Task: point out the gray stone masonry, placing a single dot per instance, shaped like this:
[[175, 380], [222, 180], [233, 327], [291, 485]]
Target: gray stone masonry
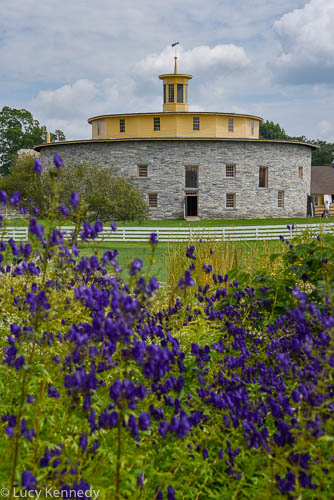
[[166, 161]]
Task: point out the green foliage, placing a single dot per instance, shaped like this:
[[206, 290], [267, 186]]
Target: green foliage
[[105, 195], [270, 130], [323, 154], [219, 368], [24, 179], [19, 130]]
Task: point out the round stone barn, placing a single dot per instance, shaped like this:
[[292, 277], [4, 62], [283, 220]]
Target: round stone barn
[[189, 164]]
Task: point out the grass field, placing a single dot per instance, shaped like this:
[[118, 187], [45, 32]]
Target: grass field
[[200, 223]]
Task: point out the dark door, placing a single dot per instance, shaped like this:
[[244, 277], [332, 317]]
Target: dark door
[[191, 206]]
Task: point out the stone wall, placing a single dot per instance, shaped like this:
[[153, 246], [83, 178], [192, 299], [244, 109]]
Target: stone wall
[[166, 162]]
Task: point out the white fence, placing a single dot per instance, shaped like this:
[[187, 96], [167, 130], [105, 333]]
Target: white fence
[[165, 234]]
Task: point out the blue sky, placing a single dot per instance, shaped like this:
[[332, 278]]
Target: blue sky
[[66, 61]]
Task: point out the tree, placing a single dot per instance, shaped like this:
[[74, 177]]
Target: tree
[[322, 155], [23, 178], [270, 130], [105, 194], [19, 130]]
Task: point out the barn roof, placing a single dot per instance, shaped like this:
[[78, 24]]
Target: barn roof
[[322, 179]]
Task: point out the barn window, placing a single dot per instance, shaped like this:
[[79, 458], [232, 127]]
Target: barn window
[[191, 177], [196, 123], [280, 199], [230, 124], [230, 170], [156, 123], [142, 170], [170, 92], [122, 125], [263, 177], [230, 200], [153, 200], [180, 92]]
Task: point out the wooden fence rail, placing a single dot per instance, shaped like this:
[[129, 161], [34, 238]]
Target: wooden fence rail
[[165, 234]]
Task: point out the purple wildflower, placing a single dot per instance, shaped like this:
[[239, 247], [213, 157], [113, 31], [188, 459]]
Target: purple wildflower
[[38, 166], [135, 267], [113, 226], [64, 210], [83, 441], [74, 200], [154, 238], [3, 197], [15, 198], [58, 161], [28, 480]]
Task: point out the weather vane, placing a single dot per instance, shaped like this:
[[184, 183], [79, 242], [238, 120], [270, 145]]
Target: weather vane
[[174, 45]]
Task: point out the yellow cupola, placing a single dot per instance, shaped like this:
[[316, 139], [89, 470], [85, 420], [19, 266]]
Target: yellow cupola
[[175, 90]]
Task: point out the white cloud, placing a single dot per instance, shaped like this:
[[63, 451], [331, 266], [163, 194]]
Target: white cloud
[[307, 39], [67, 100], [325, 128], [220, 57]]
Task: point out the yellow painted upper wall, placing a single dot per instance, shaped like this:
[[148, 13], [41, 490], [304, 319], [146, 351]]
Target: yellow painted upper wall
[[174, 124]]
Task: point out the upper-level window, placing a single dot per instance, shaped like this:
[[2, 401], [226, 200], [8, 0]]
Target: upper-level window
[[180, 92], [142, 170], [122, 125], [196, 123], [300, 172], [252, 127], [156, 123], [165, 98], [263, 177], [230, 170], [98, 127], [170, 92], [191, 177], [230, 124]]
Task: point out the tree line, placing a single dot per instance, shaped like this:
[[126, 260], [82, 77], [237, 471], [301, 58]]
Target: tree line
[[320, 156]]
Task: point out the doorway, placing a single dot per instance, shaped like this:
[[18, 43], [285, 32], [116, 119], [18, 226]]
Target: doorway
[[191, 205]]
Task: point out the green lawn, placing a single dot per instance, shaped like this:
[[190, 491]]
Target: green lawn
[[200, 223], [130, 251]]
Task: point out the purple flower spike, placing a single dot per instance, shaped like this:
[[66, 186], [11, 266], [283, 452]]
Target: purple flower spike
[[170, 493], [64, 210], [38, 167], [3, 197], [154, 238], [28, 480], [15, 198], [140, 480], [113, 226], [83, 442], [58, 161], [74, 200], [135, 267]]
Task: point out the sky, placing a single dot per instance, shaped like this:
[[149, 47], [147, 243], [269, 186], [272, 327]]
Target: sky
[[68, 60]]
